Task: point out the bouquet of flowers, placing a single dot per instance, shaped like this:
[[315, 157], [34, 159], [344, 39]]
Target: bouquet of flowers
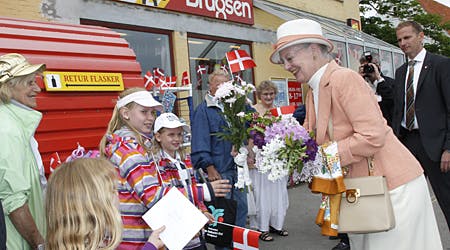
[[233, 96], [287, 146]]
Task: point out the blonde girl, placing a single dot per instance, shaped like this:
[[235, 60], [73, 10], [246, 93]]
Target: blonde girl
[[174, 166], [81, 206]]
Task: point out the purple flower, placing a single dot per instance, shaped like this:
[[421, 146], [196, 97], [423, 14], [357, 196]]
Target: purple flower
[[311, 150], [258, 138]]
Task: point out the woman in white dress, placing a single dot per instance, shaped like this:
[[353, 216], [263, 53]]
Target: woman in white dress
[[271, 198]]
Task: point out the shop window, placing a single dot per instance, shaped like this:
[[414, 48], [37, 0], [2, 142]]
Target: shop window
[[338, 53], [152, 49], [151, 46], [398, 60], [386, 63], [354, 52], [207, 55]]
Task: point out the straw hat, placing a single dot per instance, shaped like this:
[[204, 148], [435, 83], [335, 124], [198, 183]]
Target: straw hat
[[296, 32], [13, 65]]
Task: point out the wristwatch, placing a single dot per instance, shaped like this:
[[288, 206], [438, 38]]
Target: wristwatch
[[40, 247]]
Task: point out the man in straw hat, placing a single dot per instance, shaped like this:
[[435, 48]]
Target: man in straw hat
[[343, 111], [22, 178]]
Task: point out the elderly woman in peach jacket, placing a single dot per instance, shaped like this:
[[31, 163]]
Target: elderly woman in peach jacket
[[340, 96]]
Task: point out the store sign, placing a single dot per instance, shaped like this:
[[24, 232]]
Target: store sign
[[82, 81], [240, 11], [294, 93]]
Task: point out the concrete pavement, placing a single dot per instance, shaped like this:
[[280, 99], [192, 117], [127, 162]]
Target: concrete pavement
[[305, 235]]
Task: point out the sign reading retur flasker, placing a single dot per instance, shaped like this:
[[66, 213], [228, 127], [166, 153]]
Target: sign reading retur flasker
[[82, 81], [240, 11]]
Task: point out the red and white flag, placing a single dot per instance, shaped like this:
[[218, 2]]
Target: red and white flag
[[185, 79], [239, 60], [284, 110], [171, 81], [201, 69], [157, 75], [245, 239], [149, 81], [54, 161], [238, 77], [224, 67]]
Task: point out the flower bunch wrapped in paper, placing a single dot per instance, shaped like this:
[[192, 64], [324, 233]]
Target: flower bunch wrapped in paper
[[288, 145]]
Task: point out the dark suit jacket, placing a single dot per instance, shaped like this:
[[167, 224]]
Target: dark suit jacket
[[432, 104], [386, 90]]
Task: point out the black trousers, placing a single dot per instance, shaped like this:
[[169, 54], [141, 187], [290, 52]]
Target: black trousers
[[440, 182]]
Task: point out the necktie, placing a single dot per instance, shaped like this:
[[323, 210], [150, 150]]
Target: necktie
[[410, 114]]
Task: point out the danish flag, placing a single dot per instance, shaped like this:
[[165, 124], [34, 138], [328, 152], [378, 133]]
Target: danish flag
[[158, 74], [201, 69], [239, 60], [284, 110], [245, 239], [54, 161], [185, 79], [224, 67], [149, 82], [171, 81]]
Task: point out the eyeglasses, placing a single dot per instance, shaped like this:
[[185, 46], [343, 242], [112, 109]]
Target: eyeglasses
[[268, 94]]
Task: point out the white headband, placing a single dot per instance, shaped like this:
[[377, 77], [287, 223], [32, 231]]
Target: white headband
[[143, 98]]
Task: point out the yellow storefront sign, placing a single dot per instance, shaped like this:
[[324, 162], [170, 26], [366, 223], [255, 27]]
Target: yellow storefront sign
[[82, 81]]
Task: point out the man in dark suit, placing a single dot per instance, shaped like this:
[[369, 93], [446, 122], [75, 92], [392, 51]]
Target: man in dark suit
[[421, 117]]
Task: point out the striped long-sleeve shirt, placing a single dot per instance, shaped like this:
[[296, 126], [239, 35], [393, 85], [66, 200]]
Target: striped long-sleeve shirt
[[140, 185]]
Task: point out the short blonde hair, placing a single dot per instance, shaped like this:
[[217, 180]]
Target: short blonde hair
[[81, 212], [266, 85]]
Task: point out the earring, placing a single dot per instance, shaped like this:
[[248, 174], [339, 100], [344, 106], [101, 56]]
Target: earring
[[126, 118]]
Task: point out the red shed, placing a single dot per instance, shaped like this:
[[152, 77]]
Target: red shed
[[71, 117]]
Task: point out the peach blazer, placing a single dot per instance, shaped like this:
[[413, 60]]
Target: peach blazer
[[358, 127]]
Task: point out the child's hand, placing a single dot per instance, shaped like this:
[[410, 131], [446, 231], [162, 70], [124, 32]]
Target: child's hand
[[154, 238], [209, 216]]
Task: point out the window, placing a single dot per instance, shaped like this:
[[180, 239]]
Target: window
[[209, 55], [386, 63], [338, 53], [355, 52], [152, 46], [152, 49]]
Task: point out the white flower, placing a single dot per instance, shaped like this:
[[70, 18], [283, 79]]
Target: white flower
[[268, 162], [224, 90]]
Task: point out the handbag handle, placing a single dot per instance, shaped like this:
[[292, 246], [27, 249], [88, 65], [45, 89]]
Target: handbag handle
[[369, 159]]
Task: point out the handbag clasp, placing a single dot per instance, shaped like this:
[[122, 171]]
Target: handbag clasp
[[352, 195]]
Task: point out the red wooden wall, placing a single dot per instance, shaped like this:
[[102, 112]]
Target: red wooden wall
[[71, 117]]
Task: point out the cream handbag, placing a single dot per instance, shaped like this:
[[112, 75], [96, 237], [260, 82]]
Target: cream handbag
[[366, 205]]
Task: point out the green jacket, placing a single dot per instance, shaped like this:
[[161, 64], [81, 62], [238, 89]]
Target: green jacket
[[19, 173]]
